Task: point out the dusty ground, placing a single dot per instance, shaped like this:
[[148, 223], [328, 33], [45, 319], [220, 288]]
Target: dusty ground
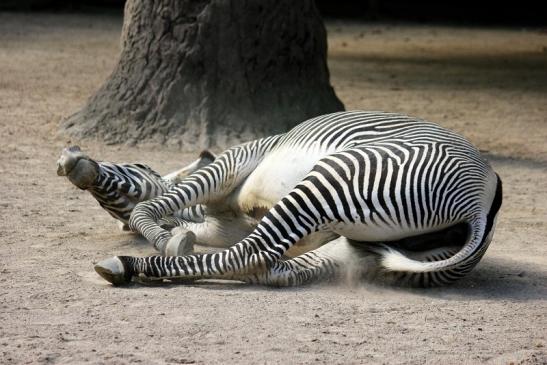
[[491, 85]]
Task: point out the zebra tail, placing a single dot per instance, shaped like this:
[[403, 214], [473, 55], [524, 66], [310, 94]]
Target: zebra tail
[[469, 254]]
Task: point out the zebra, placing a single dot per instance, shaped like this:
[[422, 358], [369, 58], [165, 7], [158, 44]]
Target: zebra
[[335, 195], [118, 188]]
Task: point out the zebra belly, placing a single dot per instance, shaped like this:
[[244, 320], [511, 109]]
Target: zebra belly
[[274, 178]]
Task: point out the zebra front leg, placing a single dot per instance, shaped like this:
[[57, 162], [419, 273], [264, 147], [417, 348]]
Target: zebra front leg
[[335, 259], [209, 185], [215, 231]]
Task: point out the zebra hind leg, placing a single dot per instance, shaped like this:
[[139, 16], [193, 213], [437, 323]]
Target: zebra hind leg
[[337, 260]]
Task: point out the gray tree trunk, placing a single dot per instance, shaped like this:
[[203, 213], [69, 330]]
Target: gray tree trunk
[[211, 73]]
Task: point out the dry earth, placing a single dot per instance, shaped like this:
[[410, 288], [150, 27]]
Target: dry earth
[[489, 84]]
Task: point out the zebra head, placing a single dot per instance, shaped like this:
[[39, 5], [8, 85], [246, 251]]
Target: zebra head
[[117, 187]]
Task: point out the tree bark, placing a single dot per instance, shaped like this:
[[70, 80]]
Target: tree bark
[[211, 73]]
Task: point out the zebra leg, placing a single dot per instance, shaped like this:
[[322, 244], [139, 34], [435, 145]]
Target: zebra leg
[[211, 232], [352, 261], [337, 259], [343, 259], [215, 231], [209, 185]]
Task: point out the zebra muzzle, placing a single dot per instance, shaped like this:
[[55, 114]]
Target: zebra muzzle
[[79, 169]]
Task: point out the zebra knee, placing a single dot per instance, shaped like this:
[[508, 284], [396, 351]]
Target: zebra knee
[[156, 235]]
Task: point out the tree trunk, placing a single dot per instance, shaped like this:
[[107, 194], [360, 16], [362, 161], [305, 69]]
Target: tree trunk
[[211, 73]]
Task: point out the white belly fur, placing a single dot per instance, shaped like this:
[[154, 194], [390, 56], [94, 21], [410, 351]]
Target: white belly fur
[[274, 178]]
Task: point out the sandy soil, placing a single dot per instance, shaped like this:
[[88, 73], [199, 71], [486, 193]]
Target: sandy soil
[[491, 85]]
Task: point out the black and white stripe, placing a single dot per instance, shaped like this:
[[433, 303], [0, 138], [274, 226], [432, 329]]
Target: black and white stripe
[[378, 178], [120, 187]]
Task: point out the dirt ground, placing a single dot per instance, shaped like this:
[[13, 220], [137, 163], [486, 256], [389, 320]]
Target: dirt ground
[[488, 84]]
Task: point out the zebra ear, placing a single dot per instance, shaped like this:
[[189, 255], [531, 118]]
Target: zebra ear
[[204, 159], [207, 155]]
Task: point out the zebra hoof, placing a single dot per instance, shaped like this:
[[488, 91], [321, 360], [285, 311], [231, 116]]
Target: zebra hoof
[[113, 271], [181, 243]]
